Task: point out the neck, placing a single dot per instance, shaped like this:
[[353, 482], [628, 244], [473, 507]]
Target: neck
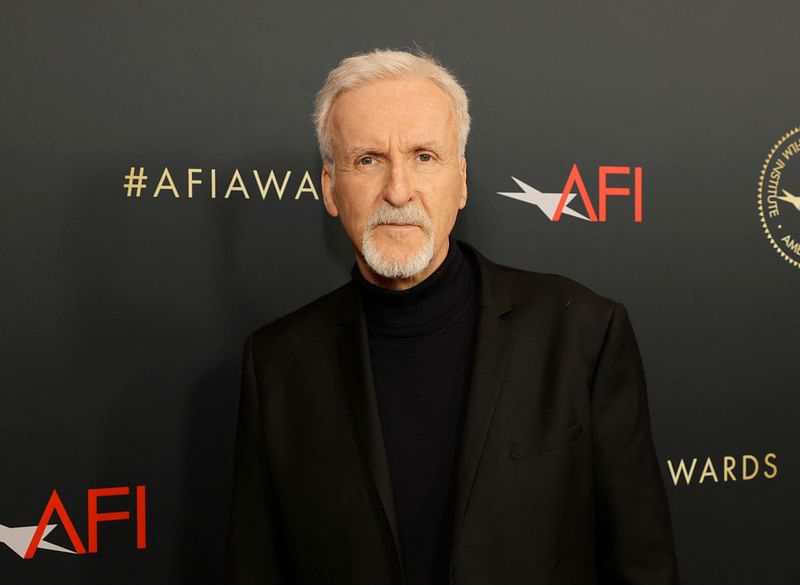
[[425, 308], [402, 283]]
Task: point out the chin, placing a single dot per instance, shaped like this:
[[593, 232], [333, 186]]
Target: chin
[[393, 258]]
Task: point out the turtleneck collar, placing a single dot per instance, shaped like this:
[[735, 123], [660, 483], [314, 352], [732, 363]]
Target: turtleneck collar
[[425, 308]]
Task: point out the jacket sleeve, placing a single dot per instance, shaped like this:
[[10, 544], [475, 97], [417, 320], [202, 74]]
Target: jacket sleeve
[[634, 543], [254, 554]]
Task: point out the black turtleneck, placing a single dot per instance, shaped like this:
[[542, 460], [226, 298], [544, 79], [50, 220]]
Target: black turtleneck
[[420, 343]]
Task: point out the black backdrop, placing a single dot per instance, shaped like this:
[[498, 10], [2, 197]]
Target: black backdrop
[[123, 317]]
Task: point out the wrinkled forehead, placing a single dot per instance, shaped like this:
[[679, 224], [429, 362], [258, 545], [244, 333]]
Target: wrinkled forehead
[[406, 110]]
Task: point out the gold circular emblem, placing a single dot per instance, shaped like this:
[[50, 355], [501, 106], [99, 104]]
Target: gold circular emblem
[[779, 197]]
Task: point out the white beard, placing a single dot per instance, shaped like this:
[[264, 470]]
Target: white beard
[[412, 263]]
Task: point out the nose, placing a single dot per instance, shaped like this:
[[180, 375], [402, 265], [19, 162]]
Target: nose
[[398, 191]]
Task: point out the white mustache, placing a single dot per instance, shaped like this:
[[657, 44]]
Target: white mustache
[[410, 214]]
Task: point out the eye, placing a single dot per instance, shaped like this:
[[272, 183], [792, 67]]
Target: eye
[[425, 156], [366, 160]]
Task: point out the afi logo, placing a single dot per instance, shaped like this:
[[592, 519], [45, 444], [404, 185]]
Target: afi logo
[[553, 205], [25, 540]]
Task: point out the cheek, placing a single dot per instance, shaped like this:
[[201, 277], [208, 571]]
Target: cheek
[[354, 208], [448, 205]]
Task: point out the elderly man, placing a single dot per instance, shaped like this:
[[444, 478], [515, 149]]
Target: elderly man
[[439, 418]]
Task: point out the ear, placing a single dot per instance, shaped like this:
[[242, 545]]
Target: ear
[[463, 201], [327, 190]]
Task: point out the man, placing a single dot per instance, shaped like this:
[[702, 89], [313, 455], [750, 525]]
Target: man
[[438, 419]]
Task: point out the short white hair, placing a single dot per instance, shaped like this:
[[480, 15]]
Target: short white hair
[[364, 68]]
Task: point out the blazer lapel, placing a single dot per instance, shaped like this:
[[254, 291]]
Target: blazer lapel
[[356, 369], [491, 353]]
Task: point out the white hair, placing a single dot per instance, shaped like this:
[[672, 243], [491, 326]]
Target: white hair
[[408, 266], [360, 69]]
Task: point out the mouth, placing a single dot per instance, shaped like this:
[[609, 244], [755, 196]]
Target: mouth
[[398, 225]]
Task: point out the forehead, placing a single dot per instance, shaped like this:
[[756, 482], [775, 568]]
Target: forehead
[[403, 109]]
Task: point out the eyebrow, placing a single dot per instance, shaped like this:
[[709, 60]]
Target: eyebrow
[[435, 146], [359, 150], [363, 150]]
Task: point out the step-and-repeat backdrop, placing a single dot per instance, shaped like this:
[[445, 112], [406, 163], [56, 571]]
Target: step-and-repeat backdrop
[[160, 198]]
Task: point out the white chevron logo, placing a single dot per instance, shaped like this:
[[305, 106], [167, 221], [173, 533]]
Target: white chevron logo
[[18, 539], [546, 202]]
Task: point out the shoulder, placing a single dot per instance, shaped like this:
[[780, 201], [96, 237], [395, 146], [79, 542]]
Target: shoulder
[[525, 290], [312, 323], [555, 287], [553, 310]]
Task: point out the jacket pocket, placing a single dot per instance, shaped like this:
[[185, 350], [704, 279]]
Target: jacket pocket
[[554, 439]]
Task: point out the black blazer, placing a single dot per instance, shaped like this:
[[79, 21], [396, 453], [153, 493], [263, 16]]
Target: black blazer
[[556, 480]]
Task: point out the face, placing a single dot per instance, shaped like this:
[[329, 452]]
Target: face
[[398, 179]]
